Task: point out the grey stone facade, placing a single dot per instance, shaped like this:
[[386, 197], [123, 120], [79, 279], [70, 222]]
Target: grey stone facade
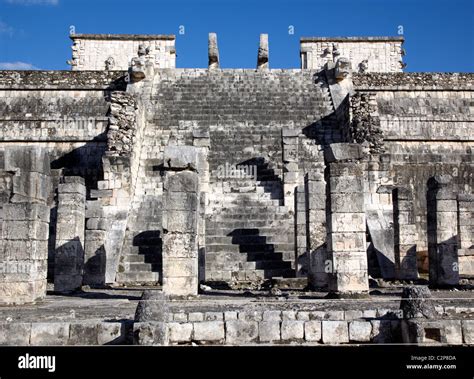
[[235, 177]]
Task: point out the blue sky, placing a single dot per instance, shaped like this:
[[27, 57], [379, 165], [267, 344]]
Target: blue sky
[[439, 34]]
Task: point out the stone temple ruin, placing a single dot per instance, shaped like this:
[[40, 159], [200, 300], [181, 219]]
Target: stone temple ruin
[[310, 205]]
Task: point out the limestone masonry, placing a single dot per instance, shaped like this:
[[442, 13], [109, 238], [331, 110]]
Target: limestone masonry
[[327, 180]]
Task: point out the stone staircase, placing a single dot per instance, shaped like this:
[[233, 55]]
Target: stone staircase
[[249, 234]]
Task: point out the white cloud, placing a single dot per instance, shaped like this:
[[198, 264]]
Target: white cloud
[[33, 2], [5, 28], [17, 66]]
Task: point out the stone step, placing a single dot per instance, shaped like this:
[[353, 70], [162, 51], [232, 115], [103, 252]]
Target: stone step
[[251, 275], [141, 258], [263, 209], [250, 248], [246, 225], [250, 218], [249, 239], [138, 277], [233, 256], [263, 231]]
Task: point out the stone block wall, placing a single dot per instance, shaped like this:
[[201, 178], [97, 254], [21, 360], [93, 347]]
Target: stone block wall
[[91, 51], [275, 326], [417, 114], [383, 54]]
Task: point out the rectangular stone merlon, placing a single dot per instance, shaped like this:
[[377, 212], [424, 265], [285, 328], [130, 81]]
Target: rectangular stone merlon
[[442, 232], [213, 52], [262, 60], [180, 233], [70, 227], [404, 234], [347, 231]]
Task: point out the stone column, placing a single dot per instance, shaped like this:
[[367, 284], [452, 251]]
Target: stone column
[[180, 221], [262, 60], [180, 239], [213, 52], [69, 256], [347, 224], [405, 235], [317, 234], [202, 142], [442, 232], [25, 227], [466, 234], [290, 166], [301, 263]]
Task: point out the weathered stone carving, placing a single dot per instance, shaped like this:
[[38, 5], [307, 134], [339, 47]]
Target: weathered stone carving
[[213, 52], [109, 63], [138, 64], [417, 302], [343, 69], [122, 123], [363, 66], [365, 122]]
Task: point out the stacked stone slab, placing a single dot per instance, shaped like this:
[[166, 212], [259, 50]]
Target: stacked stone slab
[[346, 220], [70, 226], [442, 232], [405, 234], [25, 226], [466, 234], [180, 221]]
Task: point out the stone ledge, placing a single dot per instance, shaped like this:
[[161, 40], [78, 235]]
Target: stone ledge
[[413, 81]]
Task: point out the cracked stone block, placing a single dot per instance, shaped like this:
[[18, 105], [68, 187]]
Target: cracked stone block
[[241, 332], [312, 331], [15, 334], [269, 331], [335, 332], [49, 333], [209, 331], [292, 330], [360, 331], [180, 332]]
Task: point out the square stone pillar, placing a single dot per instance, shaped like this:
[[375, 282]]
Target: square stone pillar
[[347, 223], [70, 226], [442, 232], [317, 233], [25, 226], [405, 234], [181, 197], [290, 166], [301, 215], [466, 234], [180, 238]]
